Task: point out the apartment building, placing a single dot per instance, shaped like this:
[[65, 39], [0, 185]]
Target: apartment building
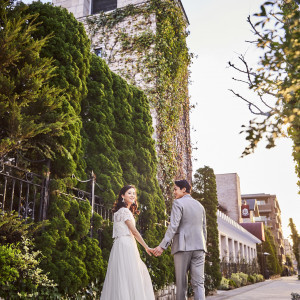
[[270, 215]]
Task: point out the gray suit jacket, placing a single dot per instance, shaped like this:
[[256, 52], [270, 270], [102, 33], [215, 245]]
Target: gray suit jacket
[[187, 226]]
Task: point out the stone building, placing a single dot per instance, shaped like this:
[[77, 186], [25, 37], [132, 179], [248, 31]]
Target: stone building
[[270, 215], [127, 49]]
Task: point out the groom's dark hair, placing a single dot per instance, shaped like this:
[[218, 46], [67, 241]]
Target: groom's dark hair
[[183, 184]]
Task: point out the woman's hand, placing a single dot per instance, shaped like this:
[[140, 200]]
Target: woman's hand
[[149, 251]]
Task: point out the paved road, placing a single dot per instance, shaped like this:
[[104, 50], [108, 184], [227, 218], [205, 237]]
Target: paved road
[[280, 288]]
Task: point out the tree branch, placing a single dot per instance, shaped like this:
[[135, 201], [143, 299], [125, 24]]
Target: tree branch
[[250, 105]]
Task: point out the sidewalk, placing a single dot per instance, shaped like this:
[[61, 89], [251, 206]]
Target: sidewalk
[[280, 288]]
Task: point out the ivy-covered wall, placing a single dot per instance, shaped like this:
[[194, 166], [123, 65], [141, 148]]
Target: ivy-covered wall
[[146, 45]]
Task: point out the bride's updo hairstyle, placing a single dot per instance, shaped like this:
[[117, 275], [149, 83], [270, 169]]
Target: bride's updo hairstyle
[[119, 202]]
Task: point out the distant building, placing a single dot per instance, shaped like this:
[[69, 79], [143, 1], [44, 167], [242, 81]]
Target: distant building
[[229, 195], [289, 252], [270, 215], [236, 243]]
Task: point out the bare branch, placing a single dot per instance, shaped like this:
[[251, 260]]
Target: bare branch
[[236, 68], [248, 71], [250, 105], [253, 27], [239, 80], [264, 102]]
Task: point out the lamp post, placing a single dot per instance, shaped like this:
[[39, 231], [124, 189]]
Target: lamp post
[[266, 271]]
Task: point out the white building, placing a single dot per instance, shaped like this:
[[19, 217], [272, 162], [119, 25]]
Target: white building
[[235, 242]]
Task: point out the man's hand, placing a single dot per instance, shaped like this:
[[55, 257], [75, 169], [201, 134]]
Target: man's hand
[[158, 251]]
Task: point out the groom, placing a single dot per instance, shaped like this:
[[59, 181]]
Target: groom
[[187, 228]]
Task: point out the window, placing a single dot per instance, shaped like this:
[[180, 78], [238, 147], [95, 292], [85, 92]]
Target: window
[[103, 5], [98, 52], [261, 202]]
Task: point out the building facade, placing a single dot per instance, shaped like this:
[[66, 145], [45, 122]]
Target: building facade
[[229, 195], [270, 215], [236, 243]]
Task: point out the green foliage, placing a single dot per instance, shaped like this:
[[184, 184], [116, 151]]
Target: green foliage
[[244, 278], [30, 118], [258, 277], [241, 279], [12, 228], [116, 141], [272, 260], [162, 55], [296, 240], [232, 283], [237, 279], [98, 118], [224, 284], [205, 191], [277, 78], [20, 274], [69, 49], [72, 259], [117, 131]]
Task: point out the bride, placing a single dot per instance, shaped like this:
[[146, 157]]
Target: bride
[[127, 277]]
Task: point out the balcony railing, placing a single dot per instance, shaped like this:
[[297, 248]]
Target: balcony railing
[[265, 208]]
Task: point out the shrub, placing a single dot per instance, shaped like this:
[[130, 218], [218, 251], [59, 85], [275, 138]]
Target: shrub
[[258, 277], [237, 279], [232, 283], [224, 285], [243, 277], [20, 274], [251, 278]]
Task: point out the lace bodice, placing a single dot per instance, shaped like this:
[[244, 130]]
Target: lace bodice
[[120, 228]]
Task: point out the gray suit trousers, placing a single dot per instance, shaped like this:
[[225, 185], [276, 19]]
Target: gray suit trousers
[[192, 261]]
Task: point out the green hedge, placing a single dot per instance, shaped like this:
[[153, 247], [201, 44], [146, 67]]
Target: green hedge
[[111, 135]]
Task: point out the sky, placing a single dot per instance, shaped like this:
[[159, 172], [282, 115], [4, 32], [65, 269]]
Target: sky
[[218, 31]]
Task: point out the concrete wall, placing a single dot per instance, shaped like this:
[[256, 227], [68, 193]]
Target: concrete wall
[[229, 194], [79, 8]]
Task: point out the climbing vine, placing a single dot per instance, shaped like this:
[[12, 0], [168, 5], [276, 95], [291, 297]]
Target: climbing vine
[[146, 45]]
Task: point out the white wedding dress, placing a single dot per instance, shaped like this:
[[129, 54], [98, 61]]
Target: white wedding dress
[[127, 277]]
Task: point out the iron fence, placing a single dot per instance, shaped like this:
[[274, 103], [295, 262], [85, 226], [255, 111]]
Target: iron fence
[[228, 268], [22, 191], [27, 193]]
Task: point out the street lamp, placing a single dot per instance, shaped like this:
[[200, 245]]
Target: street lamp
[[266, 271]]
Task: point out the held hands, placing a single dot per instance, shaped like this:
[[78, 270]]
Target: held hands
[[156, 251]]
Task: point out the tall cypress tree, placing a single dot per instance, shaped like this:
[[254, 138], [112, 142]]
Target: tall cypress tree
[[205, 191], [69, 48], [31, 117], [272, 260], [100, 152], [117, 130], [296, 242]]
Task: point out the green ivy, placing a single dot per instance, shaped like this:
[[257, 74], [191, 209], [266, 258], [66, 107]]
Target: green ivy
[[161, 54]]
